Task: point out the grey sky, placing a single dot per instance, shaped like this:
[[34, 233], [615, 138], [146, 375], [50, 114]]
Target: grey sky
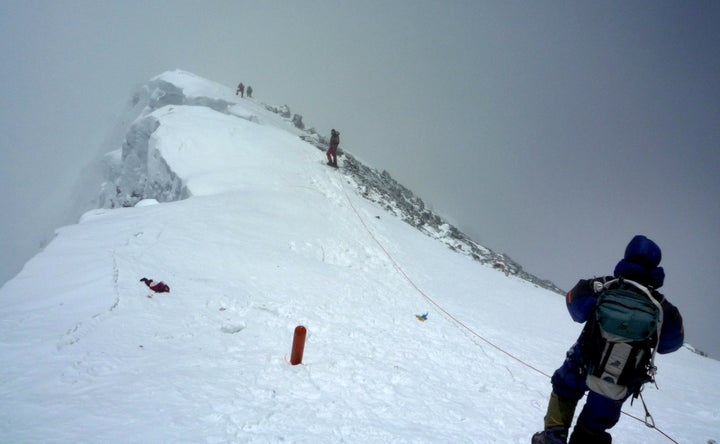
[[551, 131]]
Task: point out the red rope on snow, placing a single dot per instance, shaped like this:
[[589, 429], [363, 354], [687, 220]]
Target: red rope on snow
[[456, 320]]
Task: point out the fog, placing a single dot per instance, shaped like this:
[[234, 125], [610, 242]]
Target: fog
[[549, 131]]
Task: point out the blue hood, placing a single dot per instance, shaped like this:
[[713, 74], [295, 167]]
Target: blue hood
[[642, 257]]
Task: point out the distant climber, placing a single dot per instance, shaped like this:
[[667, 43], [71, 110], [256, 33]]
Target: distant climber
[[157, 287], [332, 148], [249, 92], [240, 90]]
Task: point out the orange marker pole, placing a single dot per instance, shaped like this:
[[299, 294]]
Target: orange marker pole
[[298, 345]]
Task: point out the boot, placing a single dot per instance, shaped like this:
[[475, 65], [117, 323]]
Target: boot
[[553, 435], [583, 435]]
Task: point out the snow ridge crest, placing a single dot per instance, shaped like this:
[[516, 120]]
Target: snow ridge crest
[[138, 171]]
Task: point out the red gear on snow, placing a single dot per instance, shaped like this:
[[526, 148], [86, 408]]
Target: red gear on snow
[[157, 287]]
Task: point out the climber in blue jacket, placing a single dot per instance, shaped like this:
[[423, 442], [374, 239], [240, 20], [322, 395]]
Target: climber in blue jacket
[[570, 382]]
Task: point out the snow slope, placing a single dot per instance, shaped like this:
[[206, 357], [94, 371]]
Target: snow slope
[[265, 238]]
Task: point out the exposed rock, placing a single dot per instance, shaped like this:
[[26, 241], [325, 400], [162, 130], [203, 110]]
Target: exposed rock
[[382, 189]]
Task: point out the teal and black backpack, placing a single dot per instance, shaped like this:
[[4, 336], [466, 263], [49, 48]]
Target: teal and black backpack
[[627, 323]]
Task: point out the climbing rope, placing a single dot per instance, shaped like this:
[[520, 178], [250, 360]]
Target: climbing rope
[[470, 330]]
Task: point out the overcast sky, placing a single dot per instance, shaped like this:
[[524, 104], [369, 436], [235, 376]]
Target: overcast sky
[[548, 130]]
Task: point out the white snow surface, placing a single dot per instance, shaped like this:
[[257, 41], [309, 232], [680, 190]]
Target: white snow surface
[[271, 238]]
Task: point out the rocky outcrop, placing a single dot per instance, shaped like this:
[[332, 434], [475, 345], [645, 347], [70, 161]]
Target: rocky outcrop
[[382, 189]]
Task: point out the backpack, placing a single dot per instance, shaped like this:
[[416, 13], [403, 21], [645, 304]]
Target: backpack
[[627, 323]]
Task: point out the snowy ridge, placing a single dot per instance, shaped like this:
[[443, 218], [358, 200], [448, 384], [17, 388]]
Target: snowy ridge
[[269, 238], [141, 173]]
